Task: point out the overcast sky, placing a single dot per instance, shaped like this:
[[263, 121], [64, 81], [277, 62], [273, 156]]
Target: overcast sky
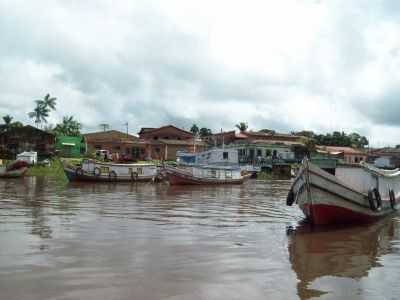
[[284, 65]]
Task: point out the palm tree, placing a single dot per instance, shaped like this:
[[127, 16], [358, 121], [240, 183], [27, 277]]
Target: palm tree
[[42, 109], [69, 127], [40, 113], [49, 102], [242, 126], [194, 129], [7, 121]]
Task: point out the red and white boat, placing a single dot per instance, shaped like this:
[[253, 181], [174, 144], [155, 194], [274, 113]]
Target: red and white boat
[[354, 194], [16, 169], [208, 175]]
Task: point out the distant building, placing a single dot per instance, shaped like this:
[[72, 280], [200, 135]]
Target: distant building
[[256, 147], [347, 154], [70, 146], [125, 145], [387, 157], [164, 142], [27, 138]]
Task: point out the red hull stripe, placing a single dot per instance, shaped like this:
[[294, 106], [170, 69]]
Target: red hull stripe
[[322, 214]]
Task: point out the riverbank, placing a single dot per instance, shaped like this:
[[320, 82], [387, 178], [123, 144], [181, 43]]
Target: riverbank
[[54, 169]]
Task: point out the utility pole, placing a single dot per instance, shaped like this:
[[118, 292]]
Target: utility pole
[[127, 128]]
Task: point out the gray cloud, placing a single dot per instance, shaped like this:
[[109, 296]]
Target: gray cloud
[[131, 61]]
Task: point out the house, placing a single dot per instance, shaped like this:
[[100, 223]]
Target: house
[[387, 157], [27, 138], [347, 154], [254, 147], [70, 146], [164, 142], [127, 146]]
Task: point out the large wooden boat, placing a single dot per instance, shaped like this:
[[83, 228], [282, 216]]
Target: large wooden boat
[[14, 170], [209, 175], [346, 194], [91, 170]]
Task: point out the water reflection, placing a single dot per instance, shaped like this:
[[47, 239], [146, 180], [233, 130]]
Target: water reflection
[[349, 252]]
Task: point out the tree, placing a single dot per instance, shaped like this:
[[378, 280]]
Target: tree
[[205, 132], [105, 126], [69, 127], [242, 126], [7, 122], [42, 109], [268, 131], [194, 129]]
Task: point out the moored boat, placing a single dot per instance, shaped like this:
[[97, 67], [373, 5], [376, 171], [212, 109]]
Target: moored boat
[[91, 170], [348, 193], [208, 175], [14, 170]]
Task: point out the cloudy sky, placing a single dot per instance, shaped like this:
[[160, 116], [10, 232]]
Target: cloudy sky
[[285, 65]]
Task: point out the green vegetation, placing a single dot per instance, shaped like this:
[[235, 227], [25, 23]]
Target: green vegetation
[[55, 169], [336, 138], [68, 127], [9, 124], [271, 176], [194, 129], [242, 126]]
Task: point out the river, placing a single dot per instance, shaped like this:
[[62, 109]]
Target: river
[[151, 241]]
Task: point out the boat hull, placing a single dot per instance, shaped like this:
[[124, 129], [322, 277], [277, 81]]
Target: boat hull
[[14, 173], [179, 179], [177, 176], [326, 200], [72, 175]]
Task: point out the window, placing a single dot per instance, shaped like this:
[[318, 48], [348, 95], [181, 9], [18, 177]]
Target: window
[[117, 147], [268, 152], [228, 174], [155, 137], [225, 155], [259, 152], [157, 150], [98, 147], [212, 173]]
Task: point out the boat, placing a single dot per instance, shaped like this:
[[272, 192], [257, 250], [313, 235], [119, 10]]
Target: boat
[[14, 170], [215, 166], [91, 170], [345, 193], [209, 175]]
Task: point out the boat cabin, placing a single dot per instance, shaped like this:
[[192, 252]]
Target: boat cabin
[[217, 157]]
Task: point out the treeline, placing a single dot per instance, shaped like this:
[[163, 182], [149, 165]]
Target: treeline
[[336, 138]]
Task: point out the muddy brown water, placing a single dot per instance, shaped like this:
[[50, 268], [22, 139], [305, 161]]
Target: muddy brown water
[[151, 241]]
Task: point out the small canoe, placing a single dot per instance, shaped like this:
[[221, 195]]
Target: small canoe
[[352, 194]]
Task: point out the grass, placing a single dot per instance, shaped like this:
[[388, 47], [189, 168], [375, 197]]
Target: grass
[[54, 170], [271, 176]]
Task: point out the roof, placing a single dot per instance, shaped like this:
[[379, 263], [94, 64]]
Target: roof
[[181, 142], [150, 130], [338, 150], [27, 128], [272, 134], [110, 136], [386, 151]]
